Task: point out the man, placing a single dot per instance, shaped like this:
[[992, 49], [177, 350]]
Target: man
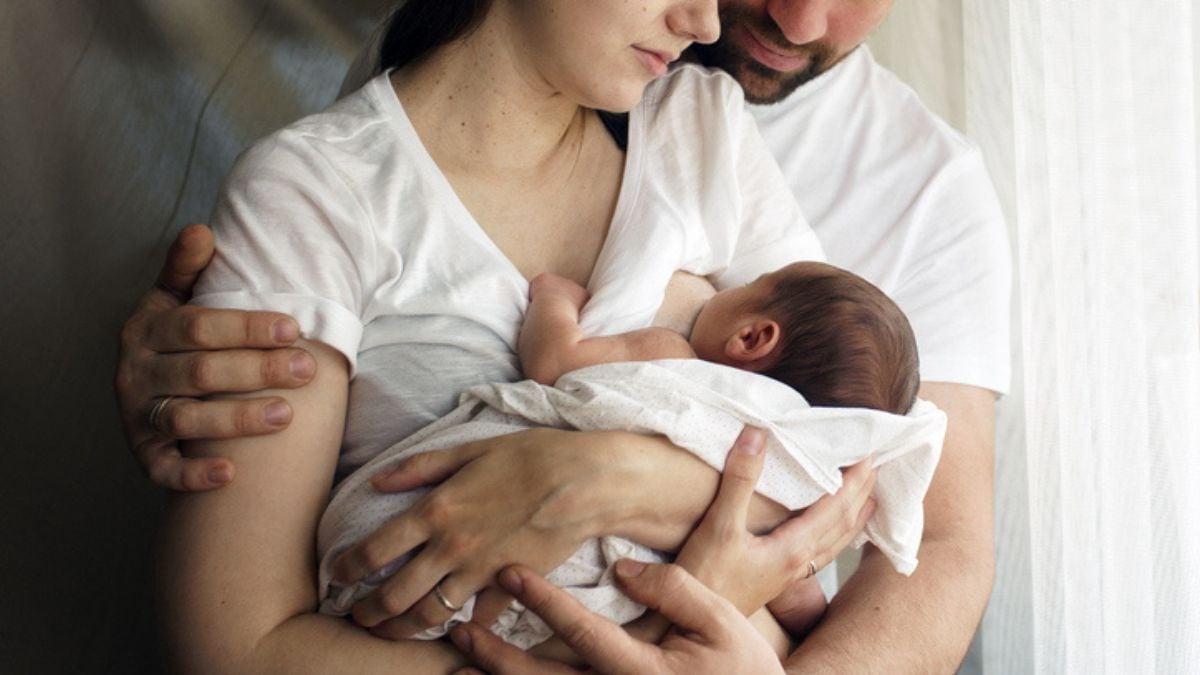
[[895, 196]]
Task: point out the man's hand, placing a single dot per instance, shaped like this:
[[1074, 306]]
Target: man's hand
[[171, 355], [711, 637]]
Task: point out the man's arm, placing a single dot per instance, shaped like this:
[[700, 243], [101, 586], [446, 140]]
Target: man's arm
[[883, 621], [169, 349], [551, 343]]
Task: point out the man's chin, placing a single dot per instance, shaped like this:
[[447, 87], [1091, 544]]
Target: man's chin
[[763, 86]]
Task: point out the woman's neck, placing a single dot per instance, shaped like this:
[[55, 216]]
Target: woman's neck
[[480, 105]]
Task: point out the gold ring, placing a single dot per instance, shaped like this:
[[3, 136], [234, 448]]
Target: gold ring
[[157, 411], [812, 568], [437, 590]]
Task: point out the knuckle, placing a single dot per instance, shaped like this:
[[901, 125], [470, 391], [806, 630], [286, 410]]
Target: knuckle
[[180, 420], [438, 510], [427, 616], [202, 372], [131, 335], [583, 637], [196, 330], [459, 545], [374, 554], [391, 602], [245, 419]]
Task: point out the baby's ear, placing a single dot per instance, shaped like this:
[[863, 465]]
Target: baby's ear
[[753, 343]]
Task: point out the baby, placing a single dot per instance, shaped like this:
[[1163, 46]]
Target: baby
[[826, 332]]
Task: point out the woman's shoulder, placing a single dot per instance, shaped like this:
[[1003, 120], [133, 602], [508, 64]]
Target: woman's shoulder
[[353, 137], [692, 89]]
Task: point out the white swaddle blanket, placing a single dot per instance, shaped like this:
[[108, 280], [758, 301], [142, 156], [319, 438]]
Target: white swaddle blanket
[[700, 407]]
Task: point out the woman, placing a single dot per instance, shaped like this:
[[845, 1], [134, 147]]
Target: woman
[[400, 228]]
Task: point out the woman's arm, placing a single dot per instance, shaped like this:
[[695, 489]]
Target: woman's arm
[[237, 567]]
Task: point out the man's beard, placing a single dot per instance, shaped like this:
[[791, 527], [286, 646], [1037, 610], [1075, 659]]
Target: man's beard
[[760, 83]]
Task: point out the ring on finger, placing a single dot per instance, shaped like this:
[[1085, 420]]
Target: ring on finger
[[437, 591], [812, 569], [156, 413]]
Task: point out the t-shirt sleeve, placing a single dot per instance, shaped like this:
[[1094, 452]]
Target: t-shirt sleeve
[[956, 289], [292, 238]]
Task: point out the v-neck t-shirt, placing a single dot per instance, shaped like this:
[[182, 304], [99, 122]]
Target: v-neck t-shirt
[[344, 221]]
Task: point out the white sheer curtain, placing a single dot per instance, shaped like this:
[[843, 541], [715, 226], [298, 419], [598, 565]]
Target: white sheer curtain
[[1086, 111]]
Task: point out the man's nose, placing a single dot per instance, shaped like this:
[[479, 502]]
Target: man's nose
[[801, 21]]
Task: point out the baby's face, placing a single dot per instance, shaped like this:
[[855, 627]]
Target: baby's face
[[726, 313]]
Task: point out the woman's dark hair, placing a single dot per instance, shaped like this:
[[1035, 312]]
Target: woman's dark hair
[[418, 27]]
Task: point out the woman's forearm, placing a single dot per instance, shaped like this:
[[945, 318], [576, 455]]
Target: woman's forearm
[[666, 491]]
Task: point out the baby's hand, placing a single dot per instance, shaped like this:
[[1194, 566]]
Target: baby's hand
[[550, 284]]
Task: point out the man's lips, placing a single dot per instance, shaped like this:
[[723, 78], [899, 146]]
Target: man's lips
[[766, 55], [654, 61]]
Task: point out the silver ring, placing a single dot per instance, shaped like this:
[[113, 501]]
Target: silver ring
[[812, 569], [437, 590], [156, 413]]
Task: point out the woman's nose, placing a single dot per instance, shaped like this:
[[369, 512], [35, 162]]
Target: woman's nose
[[801, 21], [696, 20]]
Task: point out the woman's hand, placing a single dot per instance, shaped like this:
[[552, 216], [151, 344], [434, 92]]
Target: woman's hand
[[531, 497], [712, 636], [751, 570]]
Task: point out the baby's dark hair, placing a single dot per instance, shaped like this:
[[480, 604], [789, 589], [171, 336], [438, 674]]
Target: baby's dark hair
[[843, 342]]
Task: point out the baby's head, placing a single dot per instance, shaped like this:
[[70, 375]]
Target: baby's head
[[828, 333]]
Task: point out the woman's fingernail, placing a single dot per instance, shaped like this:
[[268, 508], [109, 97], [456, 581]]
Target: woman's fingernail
[[750, 442], [461, 639], [511, 581], [285, 331], [220, 475], [277, 414], [628, 568]]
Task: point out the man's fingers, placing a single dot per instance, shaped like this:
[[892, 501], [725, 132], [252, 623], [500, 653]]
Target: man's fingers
[[601, 643], [191, 418], [426, 468], [230, 371], [677, 595], [743, 465], [168, 468], [193, 328], [189, 254], [496, 656]]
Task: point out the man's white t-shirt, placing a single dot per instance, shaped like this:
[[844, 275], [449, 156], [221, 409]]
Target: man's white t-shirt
[[903, 200], [344, 221]]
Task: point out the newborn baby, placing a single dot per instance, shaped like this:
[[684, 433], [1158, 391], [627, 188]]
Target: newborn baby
[[818, 332]]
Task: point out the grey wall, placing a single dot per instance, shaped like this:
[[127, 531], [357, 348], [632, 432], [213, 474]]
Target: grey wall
[[118, 119]]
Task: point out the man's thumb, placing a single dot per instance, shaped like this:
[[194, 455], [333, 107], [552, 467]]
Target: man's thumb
[[189, 254]]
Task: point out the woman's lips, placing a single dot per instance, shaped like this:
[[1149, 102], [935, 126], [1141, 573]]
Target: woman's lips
[[784, 63], [654, 62]]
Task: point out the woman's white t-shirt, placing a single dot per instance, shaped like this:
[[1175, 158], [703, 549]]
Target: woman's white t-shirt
[[344, 221]]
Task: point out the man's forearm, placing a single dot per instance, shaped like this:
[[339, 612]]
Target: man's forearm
[[882, 621]]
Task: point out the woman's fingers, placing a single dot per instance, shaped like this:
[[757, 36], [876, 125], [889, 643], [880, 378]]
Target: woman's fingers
[[426, 468], [415, 579], [829, 525], [397, 537]]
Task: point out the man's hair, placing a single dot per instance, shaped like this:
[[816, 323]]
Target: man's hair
[[417, 27], [843, 343]]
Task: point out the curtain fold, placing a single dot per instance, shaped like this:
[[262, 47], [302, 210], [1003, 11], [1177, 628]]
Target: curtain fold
[[1086, 114]]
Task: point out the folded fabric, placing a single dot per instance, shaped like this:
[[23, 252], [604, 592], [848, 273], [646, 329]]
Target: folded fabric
[[699, 406]]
